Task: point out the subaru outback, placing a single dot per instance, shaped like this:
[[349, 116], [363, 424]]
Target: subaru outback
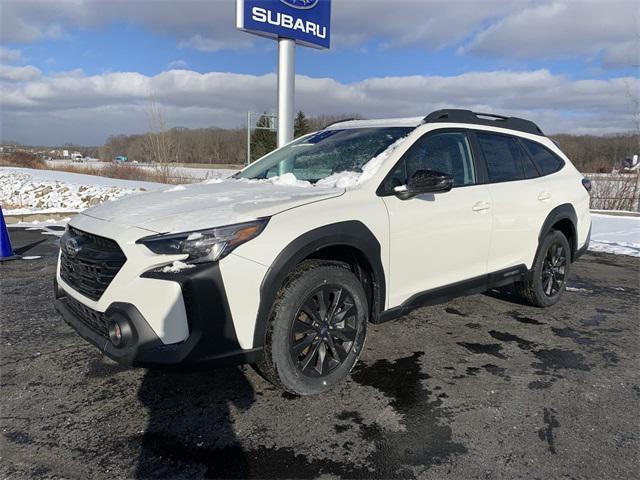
[[286, 263]]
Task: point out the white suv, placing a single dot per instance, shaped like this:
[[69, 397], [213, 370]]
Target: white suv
[[284, 264]]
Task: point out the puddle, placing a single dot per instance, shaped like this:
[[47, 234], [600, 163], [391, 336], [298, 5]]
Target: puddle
[[509, 337], [517, 316], [492, 349]]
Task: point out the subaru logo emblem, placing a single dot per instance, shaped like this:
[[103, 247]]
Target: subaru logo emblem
[[72, 247], [301, 4]]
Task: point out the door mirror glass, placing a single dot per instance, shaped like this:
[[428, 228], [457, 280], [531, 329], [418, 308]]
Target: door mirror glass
[[425, 181]]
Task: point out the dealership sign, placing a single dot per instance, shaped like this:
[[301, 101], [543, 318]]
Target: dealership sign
[[308, 22]]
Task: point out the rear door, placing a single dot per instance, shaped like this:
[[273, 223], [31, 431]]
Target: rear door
[[443, 238], [521, 200]]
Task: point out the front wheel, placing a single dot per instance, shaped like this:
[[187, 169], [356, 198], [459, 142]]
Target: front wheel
[[317, 329], [550, 272]]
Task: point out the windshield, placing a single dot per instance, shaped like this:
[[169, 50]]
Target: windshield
[[325, 153]]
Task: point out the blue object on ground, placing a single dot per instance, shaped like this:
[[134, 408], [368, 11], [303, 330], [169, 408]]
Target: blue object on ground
[[6, 251]]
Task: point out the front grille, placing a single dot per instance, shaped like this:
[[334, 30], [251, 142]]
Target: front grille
[[96, 321], [88, 263]]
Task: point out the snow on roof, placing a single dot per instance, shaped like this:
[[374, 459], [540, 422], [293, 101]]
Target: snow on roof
[[382, 122]]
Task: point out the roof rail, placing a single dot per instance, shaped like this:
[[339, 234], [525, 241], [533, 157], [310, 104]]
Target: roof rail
[[339, 121], [475, 118]]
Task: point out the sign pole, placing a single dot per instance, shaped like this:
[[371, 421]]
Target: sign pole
[[248, 138], [286, 89]]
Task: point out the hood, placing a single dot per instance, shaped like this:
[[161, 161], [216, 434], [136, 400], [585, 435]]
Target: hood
[[204, 205]]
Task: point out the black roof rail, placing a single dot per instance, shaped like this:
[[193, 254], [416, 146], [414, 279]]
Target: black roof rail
[[490, 119]]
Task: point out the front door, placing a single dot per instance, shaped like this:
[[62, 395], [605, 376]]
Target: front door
[[443, 238]]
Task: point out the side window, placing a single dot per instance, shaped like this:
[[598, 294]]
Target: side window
[[446, 152], [530, 170], [504, 157], [546, 161]]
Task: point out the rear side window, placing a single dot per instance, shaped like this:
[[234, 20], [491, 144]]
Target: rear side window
[[530, 170], [504, 157], [546, 161]]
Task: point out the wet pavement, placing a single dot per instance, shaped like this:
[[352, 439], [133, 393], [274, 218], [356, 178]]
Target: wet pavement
[[481, 387]]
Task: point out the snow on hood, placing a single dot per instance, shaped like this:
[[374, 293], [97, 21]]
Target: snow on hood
[[210, 204], [219, 202]]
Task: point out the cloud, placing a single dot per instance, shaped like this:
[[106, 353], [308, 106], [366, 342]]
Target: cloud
[[10, 74], [26, 21], [520, 29], [429, 24], [625, 54], [73, 107], [9, 55], [560, 28], [177, 64]]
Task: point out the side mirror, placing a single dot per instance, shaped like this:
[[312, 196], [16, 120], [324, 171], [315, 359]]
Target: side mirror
[[425, 181]]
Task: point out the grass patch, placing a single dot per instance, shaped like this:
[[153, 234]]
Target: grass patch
[[22, 160], [123, 171]]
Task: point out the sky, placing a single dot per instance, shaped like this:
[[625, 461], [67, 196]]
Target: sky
[[78, 71]]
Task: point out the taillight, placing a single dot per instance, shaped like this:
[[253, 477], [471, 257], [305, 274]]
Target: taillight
[[586, 183]]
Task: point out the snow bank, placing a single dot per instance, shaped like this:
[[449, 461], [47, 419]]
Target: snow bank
[[619, 235], [24, 190]]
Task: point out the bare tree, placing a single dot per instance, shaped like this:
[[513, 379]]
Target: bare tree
[[160, 142]]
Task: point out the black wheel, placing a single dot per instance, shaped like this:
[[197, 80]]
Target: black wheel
[[550, 272], [316, 330]]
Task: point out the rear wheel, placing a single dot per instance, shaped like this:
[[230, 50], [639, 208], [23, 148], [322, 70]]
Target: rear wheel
[[317, 329], [550, 272]]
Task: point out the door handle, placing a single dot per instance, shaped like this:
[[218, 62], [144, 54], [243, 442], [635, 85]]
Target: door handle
[[543, 196], [481, 206]]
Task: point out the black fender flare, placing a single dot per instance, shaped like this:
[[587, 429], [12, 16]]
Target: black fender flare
[[561, 212], [351, 233]]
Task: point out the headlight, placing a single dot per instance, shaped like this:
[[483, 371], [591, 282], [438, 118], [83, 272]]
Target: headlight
[[205, 245]]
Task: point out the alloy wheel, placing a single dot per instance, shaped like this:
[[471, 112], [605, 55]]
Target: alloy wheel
[[323, 331], [554, 268]]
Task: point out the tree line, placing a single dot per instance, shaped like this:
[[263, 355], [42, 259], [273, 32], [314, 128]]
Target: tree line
[[589, 153]]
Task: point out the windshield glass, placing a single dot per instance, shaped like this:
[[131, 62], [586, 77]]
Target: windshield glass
[[325, 153]]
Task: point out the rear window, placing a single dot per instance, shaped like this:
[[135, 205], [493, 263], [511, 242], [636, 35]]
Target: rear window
[[546, 161], [504, 157]]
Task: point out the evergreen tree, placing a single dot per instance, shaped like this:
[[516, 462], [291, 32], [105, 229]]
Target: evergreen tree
[[301, 125], [262, 141]]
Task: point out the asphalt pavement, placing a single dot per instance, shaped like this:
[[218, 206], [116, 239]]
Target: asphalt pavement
[[481, 387]]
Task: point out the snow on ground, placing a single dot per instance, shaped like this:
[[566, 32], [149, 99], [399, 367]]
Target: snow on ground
[[25, 190], [619, 235]]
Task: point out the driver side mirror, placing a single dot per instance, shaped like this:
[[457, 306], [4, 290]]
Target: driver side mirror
[[425, 181]]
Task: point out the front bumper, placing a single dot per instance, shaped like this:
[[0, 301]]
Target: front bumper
[[212, 339]]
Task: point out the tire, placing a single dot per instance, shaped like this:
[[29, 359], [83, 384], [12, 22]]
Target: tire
[[306, 354], [550, 272]]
